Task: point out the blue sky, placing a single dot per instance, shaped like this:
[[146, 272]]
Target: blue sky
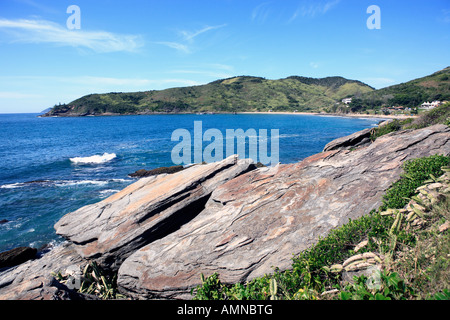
[[139, 45]]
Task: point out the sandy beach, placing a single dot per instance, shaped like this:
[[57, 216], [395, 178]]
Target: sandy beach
[[351, 115]]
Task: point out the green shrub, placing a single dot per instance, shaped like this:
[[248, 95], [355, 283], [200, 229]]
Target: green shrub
[[416, 172], [390, 287], [392, 126], [437, 115]]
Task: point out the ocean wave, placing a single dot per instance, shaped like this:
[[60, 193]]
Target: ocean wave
[[293, 135], [66, 183], [107, 193], [96, 159], [121, 180], [62, 183], [24, 184], [12, 186]]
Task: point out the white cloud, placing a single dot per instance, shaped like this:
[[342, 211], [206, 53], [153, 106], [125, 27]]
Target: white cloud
[[189, 35], [127, 82], [85, 84], [379, 82], [312, 9], [175, 45], [40, 6], [18, 95], [43, 31], [261, 12], [211, 74], [35, 93], [221, 66], [445, 16], [188, 38], [314, 65]]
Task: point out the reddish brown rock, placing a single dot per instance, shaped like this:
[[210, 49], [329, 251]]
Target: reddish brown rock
[[147, 210], [259, 220]]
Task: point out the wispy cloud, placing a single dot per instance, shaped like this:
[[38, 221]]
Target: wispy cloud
[[130, 82], [445, 16], [221, 66], [185, 45], [261, 12], [39, 6], [189, 35], [43, 31], [110, 82], [175, 45], [379, 82], [311, 9], [18, 95], [211, 74]]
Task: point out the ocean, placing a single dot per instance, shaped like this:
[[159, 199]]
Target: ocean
[[52, 166]]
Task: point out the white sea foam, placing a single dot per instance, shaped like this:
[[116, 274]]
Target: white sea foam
[[107, 193], [289, 135], [75, 183], [94, 159], [12, 186], [121, 180]]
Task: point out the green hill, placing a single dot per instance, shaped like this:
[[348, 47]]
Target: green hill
[[237, 94], [409, 94], [246, 93]]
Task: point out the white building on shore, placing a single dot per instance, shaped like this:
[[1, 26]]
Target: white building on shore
[[430, 105], [347, 100]]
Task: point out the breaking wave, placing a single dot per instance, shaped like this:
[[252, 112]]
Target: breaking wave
[[96, 159]]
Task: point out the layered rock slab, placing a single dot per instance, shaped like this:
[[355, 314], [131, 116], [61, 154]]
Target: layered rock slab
[[33, 280], [110, 230], [356, 139], [259, 220]]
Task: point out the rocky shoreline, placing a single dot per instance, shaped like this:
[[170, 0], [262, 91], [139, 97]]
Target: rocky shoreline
[[160, 233]]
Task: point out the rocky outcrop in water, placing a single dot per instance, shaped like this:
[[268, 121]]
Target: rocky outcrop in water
[[16, 256], [162, 232]]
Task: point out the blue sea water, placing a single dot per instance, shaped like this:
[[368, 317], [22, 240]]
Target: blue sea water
[[53, 166]]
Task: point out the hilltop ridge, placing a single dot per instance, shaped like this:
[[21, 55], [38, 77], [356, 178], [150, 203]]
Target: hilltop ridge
[[236, 94], [257, 94]]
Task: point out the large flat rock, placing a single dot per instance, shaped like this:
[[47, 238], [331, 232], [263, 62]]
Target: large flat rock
[[149, 209], [259, 220]]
